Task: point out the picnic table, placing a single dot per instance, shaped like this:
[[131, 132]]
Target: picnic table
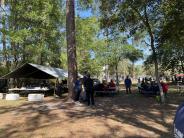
[[110, 91], [28, 89]]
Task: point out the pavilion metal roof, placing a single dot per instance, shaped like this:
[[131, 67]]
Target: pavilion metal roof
[[29, 70]]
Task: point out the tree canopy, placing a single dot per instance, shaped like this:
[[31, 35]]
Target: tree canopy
[[35, 31]]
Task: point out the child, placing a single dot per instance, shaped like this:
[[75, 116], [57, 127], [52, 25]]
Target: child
[[139, 85], [165, 88]]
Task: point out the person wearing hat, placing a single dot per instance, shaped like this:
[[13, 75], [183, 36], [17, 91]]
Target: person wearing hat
[[179, 122]]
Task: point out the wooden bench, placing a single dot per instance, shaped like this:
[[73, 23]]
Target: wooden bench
[[107, 92]]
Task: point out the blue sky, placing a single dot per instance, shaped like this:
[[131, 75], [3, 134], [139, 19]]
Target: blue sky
[[84, 13]]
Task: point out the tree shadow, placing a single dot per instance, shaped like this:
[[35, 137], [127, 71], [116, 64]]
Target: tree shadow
[[140, 113], [35, 114], [127, 110]]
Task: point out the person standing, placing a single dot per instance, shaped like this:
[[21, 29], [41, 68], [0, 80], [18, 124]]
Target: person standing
[[84, 86], [58, 91], [90, 90], [78, 89], [165, 88], [128, 84], [139, 85]]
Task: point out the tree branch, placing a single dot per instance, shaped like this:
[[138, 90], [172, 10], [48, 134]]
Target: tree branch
[[146, 43], [1, 7]]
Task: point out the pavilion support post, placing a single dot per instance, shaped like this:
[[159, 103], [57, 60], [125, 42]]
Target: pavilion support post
[[55, 87]]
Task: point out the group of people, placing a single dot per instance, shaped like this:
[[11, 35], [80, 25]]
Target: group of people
[[61, 87], [151, 86], [105, 86], [84, 87], [87, 86], [146, 86]]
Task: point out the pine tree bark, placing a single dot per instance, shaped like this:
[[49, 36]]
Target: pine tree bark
[[132, 74], [117, 77], [5, 57], [13, 26], [71, 47]]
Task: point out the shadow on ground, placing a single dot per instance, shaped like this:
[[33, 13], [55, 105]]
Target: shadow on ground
[[119, 116]]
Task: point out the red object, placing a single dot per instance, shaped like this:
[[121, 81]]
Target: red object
[[179, 75], [165, 87], [111, 84]]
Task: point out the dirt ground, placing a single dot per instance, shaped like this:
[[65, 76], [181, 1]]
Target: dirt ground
[[123, 115]]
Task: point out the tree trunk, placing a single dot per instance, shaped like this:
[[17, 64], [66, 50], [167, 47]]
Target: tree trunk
[[14, 53], [23, 54], [71, 47], [155, 58], [2, 2], [156, 70], [107, 72], [117, 77], [132, 74], [4, 47], [41, 59], [182, 66], [13, 26], [5, 57]]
